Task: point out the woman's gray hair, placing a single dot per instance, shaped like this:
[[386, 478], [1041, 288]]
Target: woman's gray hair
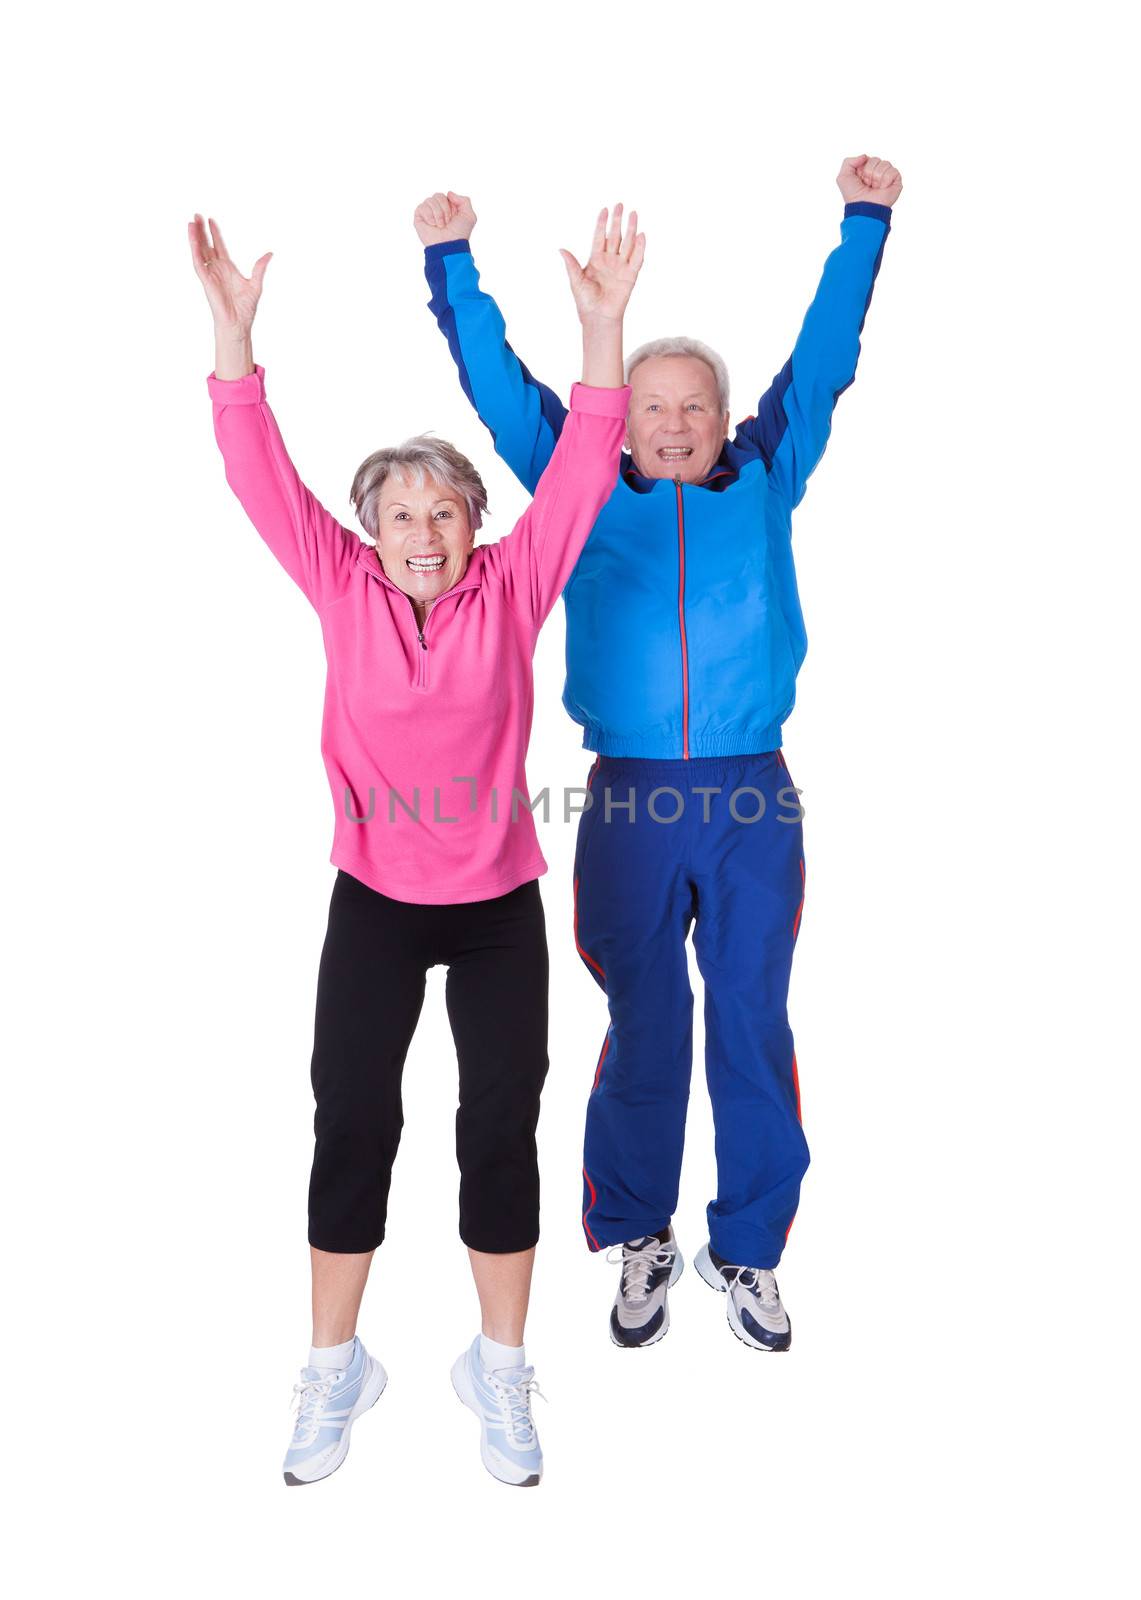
[[417, 459], [685, 347]]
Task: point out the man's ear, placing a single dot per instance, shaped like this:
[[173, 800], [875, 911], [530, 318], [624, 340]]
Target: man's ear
[[725, 435]]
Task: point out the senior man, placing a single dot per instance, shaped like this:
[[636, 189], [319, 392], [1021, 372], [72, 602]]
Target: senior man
[[684, 639]]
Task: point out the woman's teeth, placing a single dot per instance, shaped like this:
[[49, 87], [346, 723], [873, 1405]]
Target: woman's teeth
[[426, 563]]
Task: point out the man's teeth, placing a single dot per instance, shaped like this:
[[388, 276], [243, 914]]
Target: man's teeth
[[426, 563], [672, 451]]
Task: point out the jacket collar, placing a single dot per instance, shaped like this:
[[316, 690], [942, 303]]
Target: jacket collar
[[643, 485]]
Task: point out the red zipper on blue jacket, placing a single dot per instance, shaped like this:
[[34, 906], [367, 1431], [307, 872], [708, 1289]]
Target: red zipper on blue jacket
[[681, 623]]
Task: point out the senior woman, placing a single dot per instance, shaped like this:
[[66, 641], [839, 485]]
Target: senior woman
[[428, 704]]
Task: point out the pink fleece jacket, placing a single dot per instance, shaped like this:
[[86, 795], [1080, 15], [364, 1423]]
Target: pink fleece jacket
[[424, 743]]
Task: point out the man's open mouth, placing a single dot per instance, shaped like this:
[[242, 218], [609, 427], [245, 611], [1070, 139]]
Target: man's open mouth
[[675, 452]]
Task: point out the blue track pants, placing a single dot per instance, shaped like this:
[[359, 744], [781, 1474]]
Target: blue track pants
[[732, 867]]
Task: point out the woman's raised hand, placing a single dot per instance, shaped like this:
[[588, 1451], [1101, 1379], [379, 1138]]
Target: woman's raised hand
[[233, 298], [602, 288], [443, 217]]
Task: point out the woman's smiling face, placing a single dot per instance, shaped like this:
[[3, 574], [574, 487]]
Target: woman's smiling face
[[424, 537]]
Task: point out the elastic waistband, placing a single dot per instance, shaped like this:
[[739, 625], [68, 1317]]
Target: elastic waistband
[[653, 746], [684, 774]]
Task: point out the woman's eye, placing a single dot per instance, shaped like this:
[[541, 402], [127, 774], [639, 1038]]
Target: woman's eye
[[653, 406], [399, 515], [443, 513]]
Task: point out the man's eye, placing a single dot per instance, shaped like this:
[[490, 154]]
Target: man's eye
[[695, 405]]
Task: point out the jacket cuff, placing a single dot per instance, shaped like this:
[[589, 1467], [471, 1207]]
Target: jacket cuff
[[600, 402], [247, 391], [450, 247], [865, 208]]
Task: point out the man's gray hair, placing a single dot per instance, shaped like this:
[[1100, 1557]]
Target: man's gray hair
[[685, 347], [417, 459]]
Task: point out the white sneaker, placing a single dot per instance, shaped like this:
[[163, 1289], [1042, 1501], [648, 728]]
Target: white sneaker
[[508, 1443], [753, 1307], [328, 1403], [641, 1313]]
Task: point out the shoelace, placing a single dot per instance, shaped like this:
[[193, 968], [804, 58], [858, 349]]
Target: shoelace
[[758, 1281], [515, 1403], [637, 1266], [308, 1401]]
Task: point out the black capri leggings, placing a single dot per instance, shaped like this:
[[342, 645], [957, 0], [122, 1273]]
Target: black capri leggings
[[369, 993]]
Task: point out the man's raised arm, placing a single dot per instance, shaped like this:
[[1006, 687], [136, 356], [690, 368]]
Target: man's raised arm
[[794, 416], [523, 416]]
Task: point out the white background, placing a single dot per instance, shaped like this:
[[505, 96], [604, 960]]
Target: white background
[[954, 1414]]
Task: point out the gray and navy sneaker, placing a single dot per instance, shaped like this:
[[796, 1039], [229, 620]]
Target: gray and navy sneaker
[[753, 1306], [650, 1268], [328, 1403], [508, 1443]]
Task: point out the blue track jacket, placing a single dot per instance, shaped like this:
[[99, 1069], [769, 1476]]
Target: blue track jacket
[[674, 653]]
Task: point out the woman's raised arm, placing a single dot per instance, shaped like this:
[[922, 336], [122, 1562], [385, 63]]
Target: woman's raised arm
[[233, 298], [602, 290], [537, 557], [312, 546]]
